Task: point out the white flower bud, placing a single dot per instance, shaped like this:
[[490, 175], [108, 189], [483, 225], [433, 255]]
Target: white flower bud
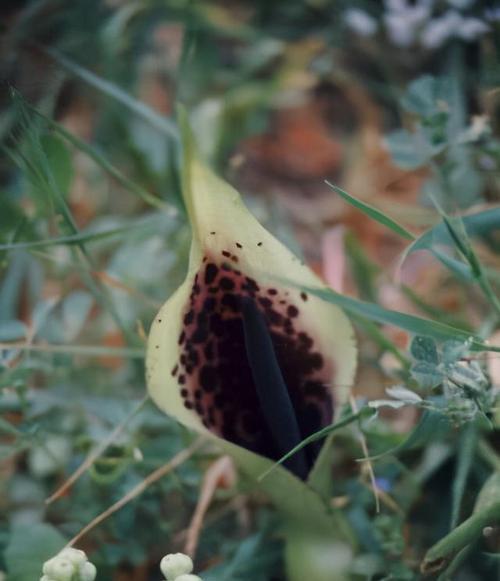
[[59, 569], [74, 555], [188, 577], [87, 571], [69, 565], [176, 564]]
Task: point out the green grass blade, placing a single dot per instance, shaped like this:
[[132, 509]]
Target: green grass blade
[[411, 323], [432, 425], [82, 237], [37, 168], [458, 234], [103, 162], [319, 435], [484, 225], [373, 213], [466, 449], [109, 89], [441, 554]]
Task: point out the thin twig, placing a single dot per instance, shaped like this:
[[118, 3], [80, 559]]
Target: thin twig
[[386, 499], [176, 461], [211, 480], [237, 504], [366, 454], [94, 454]]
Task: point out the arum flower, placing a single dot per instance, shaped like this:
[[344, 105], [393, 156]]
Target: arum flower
[[255, 362]]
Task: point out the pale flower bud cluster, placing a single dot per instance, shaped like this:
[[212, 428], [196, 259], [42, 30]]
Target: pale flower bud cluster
[[178, 567], [69, 565]]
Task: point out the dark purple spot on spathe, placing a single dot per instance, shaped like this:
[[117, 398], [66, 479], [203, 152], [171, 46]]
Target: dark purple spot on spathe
[[226, 283], [208, 378], [292, 311], [189, 318], [251, 284], [305, 340], [274, 317], [239, 245], [265, 302], [226, 254], [230, 301], [199, 336], [210, 273]]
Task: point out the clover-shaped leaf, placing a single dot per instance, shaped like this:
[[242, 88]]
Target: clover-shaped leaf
[[424, 349]]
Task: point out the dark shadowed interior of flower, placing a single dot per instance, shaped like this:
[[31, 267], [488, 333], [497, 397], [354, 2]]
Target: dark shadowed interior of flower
[[248, 366]]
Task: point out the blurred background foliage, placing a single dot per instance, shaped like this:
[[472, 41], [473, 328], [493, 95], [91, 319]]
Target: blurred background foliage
[[398, 103]]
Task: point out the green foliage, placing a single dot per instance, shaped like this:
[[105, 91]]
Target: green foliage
[[442, 140], [29, 547], [93, 239]]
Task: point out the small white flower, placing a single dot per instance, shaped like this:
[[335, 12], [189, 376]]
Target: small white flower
[[479, 127], [400, 31], [176, 564], [388, 403], [403, 20], [75, 556], [403, 394], [137, 454], [471, 28], [439, 30], [87, 571], [360, 22], [59, 569]]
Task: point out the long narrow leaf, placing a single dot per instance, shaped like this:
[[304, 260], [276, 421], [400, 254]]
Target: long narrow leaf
[[319, 435], [108, 88], [102, 162], [411, 323], [70, 240], [373, 213], [466, 449]]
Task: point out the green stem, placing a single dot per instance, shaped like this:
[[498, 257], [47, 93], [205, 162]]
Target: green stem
[[465, 534]]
